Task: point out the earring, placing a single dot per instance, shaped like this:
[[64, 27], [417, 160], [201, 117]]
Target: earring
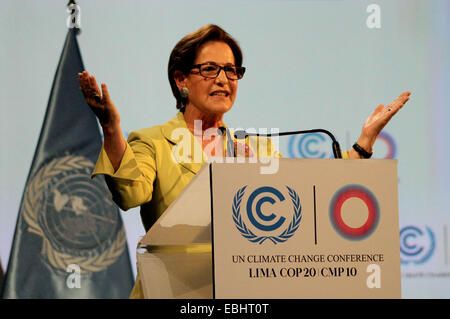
[[184, 92]]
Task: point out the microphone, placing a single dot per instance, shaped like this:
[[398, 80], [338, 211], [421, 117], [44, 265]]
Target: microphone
[[336, 148], [230, 144]]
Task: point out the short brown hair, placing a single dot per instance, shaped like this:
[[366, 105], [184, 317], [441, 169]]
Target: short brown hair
[[185, 51]]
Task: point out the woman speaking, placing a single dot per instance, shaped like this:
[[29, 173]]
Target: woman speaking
[[204, 69]]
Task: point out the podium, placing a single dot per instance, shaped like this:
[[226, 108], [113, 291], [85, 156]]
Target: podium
[[315, 228]]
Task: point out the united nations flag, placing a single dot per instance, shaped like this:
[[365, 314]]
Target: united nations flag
[[69, 240]]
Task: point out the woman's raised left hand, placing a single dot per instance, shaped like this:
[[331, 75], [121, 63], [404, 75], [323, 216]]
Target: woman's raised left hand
[[377, 121]]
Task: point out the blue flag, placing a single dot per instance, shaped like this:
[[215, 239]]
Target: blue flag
[[69, 240]]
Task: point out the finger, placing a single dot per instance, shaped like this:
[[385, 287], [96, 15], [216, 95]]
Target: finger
[[90, 92], [84, 75], [84, 82], [399, 100], [396, 105], [93, 85], [84, 86], [89, 89], [106, 97], [81, 76], [378, 109]]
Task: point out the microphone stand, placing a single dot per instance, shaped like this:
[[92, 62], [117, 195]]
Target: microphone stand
[[336, 148]]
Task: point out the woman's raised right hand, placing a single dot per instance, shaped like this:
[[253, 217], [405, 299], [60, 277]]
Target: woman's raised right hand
[[106, 112], [100, 102]]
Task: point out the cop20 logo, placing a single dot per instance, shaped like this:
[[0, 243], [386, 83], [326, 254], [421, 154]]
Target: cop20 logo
[[416, 244], [340, 225], [389, 149], [264, 227]]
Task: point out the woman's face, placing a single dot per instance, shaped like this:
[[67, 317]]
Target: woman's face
[[212, 96]]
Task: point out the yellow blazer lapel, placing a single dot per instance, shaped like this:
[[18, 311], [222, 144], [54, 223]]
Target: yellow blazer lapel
[[176, 132]]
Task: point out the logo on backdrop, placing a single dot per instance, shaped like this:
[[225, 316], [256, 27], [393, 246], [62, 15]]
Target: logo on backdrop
[[77, 222], [269, 226], [311, 145], [416, 244], [391, 147], [342, 196]]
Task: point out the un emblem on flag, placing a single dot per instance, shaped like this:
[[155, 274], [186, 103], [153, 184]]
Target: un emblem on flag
[[74, 215]]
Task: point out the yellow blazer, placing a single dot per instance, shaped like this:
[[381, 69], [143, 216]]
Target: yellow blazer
[[149, 176]]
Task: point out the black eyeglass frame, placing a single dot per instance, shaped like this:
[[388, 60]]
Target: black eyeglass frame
[[240, 70]]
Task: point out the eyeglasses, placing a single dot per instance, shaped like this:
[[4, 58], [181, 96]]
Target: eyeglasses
[[212, 70]]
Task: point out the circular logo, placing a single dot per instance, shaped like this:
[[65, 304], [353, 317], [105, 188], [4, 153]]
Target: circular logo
[[340, 197], [391, 149], [77, 220], [416, 244], [311, 145], [262, 216], [264, 225]]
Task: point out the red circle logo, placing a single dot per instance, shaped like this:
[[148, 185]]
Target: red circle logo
[[341, 196]]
